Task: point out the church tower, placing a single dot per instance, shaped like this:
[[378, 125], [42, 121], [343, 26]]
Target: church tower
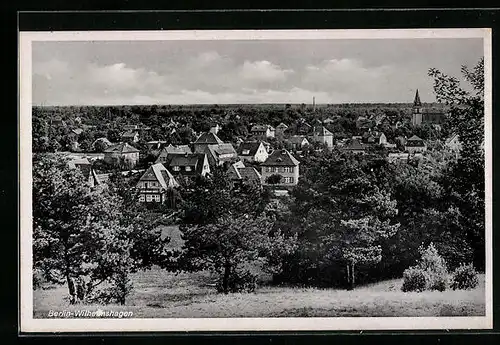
[[417, 111]]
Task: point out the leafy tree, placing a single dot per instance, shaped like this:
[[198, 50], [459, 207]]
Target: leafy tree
[[464, 181], [274, 179]]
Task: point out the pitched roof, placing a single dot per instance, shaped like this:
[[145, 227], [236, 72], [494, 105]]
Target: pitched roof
[[297, 139], [248, 148], [415, 141], [221, 149], [281, 158], [83, 164], [233, 172], [130, 134], [208, 138], [121, 148], [451, 138], [322, 131], [353, 144], [158, 172], [416, 101], [282, 125], [171, 149], [186, 159], [249, 174]]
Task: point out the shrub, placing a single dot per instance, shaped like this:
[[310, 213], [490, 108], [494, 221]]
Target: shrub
[[464, 278], [415, 279], [435, 267], [429, 273]]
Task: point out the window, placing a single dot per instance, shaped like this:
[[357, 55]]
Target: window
[[157, 198], [177, 168], [141, 198], [188, 168], [145, 185], [246, 152], [291, 179], [148, 198]]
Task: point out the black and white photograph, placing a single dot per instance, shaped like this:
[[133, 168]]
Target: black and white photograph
[[256, 180]]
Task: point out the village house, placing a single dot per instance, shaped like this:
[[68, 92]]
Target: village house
[[453, 143], [205, 139], [102, 142], [239, 174], [130, 136], [301, 127], [374, 138], [252, 151], [155, 144], [297, 142], [263, 131], [425, 115], [121, 154], [323, 135], [281, 163], [354, 145], [415, 144], [218, 154], [155, 183], [85, 167], [215, 128], [187, 164], [170, 149], [280, 130], [362, 123]]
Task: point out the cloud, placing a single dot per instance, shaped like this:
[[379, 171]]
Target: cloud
[[264, 71]]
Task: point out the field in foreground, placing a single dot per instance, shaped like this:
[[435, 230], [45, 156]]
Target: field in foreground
[[160, 294]]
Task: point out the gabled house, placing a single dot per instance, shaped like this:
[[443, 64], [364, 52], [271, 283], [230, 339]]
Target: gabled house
[[219, 153], [85, 168], [215, 128], [205, 139], [281, 163], [130, 136], [301, 128], [280, 130], [453, 143], [170, 149], [155, 144], [297, 142], [363, 123], [239, 174], [99, 143], [415, 144], [187, 164], [262, 131], [154, 184], [426, 115], [354, 146], [252, 151], [122, 154], [323, 135], [374, 138]]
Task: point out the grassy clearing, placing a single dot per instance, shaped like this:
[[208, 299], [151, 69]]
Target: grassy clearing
[[159, 294]]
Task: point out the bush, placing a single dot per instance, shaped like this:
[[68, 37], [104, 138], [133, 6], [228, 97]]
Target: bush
[[435, 267], [464, 278], [429, 273], [415, 279], [239, 281]]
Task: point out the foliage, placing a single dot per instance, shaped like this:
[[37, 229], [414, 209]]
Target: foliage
[[414, 279], [464, 277], [274, 179], [81, 236]]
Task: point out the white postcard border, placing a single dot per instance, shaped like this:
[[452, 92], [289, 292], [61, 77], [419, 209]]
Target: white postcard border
[[30, 324]]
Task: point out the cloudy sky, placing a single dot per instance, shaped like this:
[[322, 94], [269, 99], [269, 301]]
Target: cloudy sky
[[266, 71]]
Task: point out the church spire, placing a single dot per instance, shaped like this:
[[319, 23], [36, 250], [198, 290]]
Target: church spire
[[416, 102]]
